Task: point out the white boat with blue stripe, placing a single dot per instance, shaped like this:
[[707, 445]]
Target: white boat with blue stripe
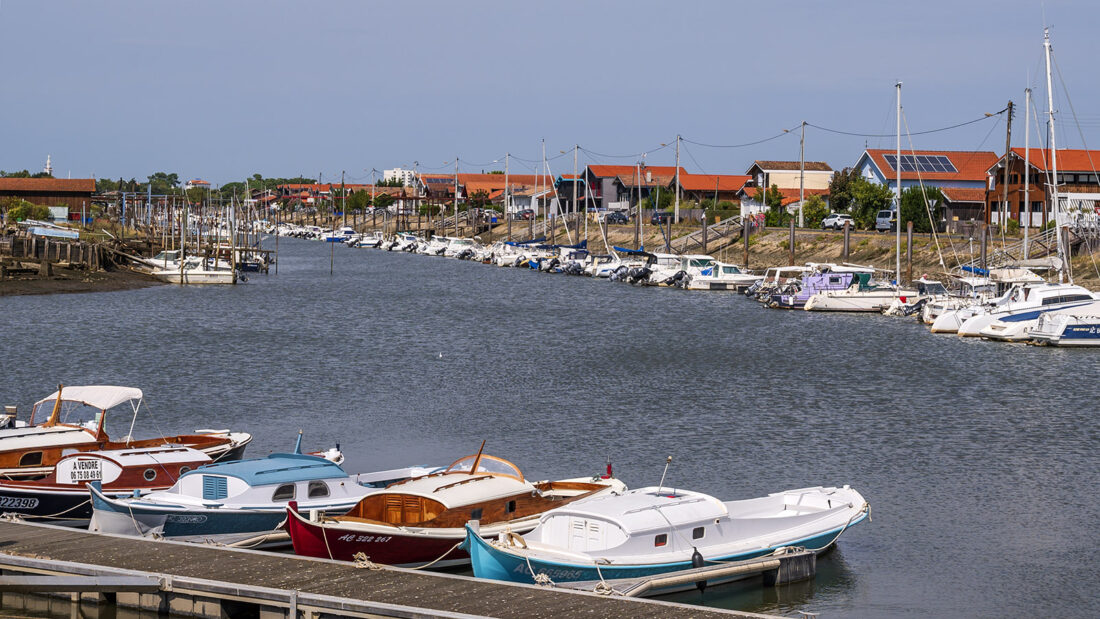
[[231, 501], [652, 531]]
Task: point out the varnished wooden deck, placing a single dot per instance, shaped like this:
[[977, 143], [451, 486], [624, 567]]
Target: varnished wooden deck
[[414, 589]]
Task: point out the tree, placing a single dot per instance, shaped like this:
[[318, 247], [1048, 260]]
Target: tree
[[18, 210], [163, 183], [840, 188], [777, 214], [913, 207], [393, 182], [867, 200], [383, 200], [19, 174], [814, 210], [662, 199], [359, 201], [195, 195]]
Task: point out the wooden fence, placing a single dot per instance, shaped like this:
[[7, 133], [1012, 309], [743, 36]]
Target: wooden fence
[[72, 253]]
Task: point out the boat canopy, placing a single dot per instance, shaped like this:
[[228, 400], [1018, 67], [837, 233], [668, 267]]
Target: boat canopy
[[633, 252], [491, 465], [525, 243], [97, 396], [645, 509]]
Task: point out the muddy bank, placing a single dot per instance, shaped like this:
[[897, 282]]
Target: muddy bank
[[74, 280]]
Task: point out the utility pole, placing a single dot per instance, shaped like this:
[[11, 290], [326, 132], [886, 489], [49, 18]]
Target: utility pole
[[1005, 210], [507, 214], [897, 226], [802, 176], [676, 207]]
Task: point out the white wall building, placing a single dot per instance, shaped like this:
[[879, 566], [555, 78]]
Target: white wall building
[[407, 177]]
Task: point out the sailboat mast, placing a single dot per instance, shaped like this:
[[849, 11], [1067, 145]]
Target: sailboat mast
[[1058, 219], [1027, 170], [897, 226]]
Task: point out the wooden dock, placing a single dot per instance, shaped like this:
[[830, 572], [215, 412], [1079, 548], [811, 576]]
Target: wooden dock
[[213, 581]]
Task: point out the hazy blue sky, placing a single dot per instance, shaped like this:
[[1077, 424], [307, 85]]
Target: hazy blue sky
[[221, 90]]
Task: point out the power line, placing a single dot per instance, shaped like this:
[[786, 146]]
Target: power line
[[890, 135], [776, 136]]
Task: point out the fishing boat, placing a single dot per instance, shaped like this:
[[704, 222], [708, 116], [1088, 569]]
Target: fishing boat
[[195, 270], [420, 521], [823, 277], [74, 419], [862, 296], [655, 530], [228, 502], [62, 496], [370, 239]]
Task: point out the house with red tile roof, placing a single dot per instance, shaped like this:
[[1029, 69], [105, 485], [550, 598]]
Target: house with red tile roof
[[1077, 173], [75, 193], [617, 183], [699, 187]]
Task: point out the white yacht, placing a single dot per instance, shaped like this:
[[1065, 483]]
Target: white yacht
[[1023, 303]]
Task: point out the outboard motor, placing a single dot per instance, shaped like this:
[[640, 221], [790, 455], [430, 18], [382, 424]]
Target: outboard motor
[[677, 279], [619, 274], [548, 265], [639, 275]]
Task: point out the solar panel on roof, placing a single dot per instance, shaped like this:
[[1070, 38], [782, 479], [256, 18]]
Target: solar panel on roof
[[922, 163]]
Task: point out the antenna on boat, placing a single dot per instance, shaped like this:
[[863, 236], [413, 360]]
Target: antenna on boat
[[477, 460], [668, 461], [298, 443]]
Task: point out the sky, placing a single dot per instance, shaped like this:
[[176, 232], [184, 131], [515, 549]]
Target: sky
[[223, 90]]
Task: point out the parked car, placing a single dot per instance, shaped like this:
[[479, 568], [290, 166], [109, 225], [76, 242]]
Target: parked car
[[660, 217], [885, 221], [836, 221], [524, 214], [617, 217]]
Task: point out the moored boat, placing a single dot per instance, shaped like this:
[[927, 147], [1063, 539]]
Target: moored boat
[[422, 520], [651, 531], [74, 419]]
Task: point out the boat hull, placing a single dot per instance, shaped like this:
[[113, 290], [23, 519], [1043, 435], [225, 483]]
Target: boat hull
[[496, 563], [390, 548]]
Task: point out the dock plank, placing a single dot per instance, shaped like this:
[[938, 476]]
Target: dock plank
[[434, 591]]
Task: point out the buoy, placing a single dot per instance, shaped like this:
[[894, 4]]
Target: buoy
[[697, 561]]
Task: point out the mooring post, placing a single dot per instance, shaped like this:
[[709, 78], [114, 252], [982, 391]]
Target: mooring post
[[909, 251], [847, 239], [745, 233], [985, 237], [790, 248], [704, 232]]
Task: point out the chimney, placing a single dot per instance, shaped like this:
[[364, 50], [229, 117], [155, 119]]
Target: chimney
[[648, 176]]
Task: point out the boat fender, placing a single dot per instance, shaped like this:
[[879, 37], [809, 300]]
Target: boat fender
[[697, 561]]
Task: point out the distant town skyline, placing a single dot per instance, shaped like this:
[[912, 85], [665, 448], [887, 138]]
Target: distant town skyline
[[221, 91]]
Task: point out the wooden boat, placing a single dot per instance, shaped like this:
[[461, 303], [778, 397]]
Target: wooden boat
[[651, 531], [76, 422], [62, 496], [420, 521], [231, 501]]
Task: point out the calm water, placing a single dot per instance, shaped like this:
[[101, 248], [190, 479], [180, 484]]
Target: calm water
[[978, 459]]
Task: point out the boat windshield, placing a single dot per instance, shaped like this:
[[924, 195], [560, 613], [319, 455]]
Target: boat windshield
[[730, 270], [698, 263], [488, 464]]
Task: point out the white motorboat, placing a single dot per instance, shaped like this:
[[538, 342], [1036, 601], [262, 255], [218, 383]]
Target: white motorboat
[[861, 296], [369, 239], [1079, 327], [195, 270], [1016, 326], [652, 531], [457, 246], [721, 276], [1024, 303]]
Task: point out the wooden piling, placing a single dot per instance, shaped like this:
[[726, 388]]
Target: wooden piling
[[909, 251], [745, 233], [847, 240], [985, 238], [790, 248]]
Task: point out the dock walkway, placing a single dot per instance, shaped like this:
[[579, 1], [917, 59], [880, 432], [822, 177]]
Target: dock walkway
[[284, 584]]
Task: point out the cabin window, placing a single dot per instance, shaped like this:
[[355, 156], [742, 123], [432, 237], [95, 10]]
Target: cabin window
[[318, 489], [510, 507], [660, 540], [698, 533], [214, 487], [33, 458], [475, 514], [149, 474], [184, 469], [284, 492]]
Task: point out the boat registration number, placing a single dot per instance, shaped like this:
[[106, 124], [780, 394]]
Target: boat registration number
[[378, 539], [86, 470], [17, 502]]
